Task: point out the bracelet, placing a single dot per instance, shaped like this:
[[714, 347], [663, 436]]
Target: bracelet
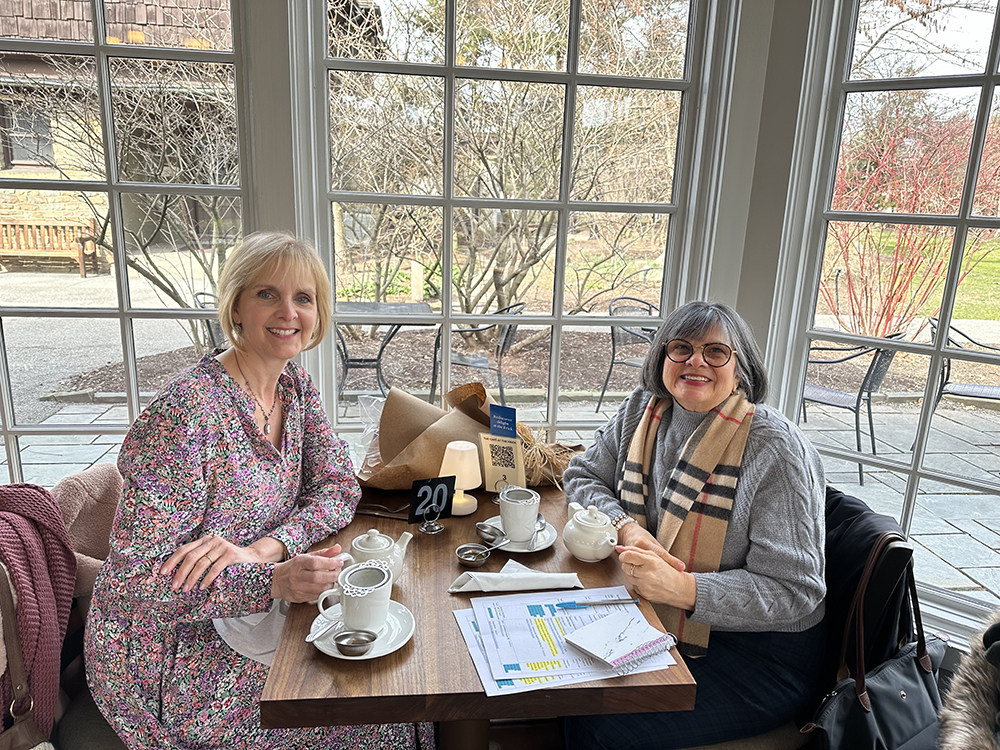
[[619, 521]]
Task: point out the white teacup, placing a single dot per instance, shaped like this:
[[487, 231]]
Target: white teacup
[[363, 593], [518, 512]]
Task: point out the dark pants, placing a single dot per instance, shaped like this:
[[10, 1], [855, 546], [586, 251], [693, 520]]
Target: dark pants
[[748, 684]]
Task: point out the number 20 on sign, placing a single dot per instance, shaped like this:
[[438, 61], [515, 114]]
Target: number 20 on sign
[[430, 499]]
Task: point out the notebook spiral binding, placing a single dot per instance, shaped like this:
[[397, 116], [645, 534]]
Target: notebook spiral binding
[[625, 664]]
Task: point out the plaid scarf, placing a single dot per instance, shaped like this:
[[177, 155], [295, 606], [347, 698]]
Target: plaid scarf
[[698, 500]]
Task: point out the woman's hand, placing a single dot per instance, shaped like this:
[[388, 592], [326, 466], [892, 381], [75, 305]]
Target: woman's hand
[[633, 535], [305, 577], [205, 559], [658, 576]]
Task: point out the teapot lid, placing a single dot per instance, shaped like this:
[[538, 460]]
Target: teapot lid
[[373, 541], [592, 517]]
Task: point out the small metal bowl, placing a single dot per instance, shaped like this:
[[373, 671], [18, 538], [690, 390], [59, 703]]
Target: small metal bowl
[[472, 555], [354, 642]]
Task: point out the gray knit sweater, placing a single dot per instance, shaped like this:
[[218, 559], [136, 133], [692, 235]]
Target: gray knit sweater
[[771, 576]]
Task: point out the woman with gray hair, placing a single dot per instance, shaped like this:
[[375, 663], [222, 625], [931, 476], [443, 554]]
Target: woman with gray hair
[[719, 505]]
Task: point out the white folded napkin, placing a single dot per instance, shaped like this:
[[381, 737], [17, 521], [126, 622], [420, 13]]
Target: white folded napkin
[[514, 577], [255, 636]]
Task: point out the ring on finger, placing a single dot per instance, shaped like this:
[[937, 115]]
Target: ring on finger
[[210, 560], [631, 571]]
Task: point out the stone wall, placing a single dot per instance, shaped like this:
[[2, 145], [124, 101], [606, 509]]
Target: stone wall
[[22, 206]]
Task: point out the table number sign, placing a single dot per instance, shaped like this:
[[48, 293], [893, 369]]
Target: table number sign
[[430, 499]]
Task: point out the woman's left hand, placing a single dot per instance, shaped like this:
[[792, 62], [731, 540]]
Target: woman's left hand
[[204, 559], [656, 578]]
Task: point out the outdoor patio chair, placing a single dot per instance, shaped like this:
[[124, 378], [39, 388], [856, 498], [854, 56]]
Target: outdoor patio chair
[[210, 301], [968, 390], [505, 338], [872, 381], [622, 336], [343, 362]]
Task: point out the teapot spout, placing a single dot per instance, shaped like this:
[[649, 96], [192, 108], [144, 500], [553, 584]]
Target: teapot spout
[[404, 540]]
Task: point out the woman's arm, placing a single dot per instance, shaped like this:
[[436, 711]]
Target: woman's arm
[[329, 491], [776, 539], [163, 461], [591, 479]]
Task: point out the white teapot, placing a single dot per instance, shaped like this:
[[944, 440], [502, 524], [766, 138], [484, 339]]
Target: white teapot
[[589, 534], [376, 546]]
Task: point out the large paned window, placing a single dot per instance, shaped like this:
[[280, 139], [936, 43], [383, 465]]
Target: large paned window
[[901, 346], [120, 196], [497, 177]]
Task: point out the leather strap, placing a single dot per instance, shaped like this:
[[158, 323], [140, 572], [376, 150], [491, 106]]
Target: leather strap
[[856, 615], [12, 640], [857, 603]]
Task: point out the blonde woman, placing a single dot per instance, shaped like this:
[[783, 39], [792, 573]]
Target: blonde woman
[[231, 473]]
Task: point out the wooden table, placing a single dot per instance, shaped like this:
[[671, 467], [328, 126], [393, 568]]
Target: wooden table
[[432, 678]]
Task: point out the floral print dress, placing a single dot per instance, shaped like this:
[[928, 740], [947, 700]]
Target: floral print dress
[[195, 464]]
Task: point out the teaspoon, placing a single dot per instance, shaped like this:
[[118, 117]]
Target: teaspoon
[[500, 543], [488, 533], [539, 525]]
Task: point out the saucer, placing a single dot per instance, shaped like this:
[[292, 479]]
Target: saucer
[[545, 539], [399, 627]]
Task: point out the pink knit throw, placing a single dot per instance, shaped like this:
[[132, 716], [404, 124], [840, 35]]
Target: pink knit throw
[[35, 547]]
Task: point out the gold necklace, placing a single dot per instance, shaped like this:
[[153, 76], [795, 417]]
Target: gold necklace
[[267, 416]]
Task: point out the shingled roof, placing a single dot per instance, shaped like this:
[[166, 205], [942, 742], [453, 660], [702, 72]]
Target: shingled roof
[[199, 24]]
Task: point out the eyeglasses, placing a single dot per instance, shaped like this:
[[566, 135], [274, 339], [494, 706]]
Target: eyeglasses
[[715, 355]]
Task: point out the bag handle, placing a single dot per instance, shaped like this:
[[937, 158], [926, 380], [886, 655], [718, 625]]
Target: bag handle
[[15, 657], [856, 614]]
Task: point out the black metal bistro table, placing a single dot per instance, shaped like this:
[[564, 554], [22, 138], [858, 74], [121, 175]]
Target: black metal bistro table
[[385, 309]]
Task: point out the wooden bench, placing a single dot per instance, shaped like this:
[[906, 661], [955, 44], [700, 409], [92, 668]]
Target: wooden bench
[[39, 245]]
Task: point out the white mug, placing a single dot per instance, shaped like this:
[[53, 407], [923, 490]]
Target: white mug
[[363, 593], [518, 512]]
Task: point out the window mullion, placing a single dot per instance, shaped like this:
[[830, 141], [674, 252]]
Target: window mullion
[[7, 415]]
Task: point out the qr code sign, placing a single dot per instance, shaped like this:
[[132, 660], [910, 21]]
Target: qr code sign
[[502, 455]]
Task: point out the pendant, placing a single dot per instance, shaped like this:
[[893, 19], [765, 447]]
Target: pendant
[[267, 428]]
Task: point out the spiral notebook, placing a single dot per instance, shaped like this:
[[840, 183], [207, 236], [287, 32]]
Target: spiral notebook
[[622, 640]]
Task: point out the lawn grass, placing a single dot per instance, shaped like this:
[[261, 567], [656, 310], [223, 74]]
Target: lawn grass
[[978, 295]]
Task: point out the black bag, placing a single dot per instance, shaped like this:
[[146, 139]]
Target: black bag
[[895, 705]]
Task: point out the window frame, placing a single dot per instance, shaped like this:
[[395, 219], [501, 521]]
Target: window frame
[[8, 136], [692, 267], [114, 187], [824, 94]]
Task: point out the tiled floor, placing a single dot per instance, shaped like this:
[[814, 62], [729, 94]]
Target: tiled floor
[[956, 532]]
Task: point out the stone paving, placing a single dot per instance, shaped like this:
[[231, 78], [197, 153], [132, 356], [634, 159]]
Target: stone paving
[[955, 532]]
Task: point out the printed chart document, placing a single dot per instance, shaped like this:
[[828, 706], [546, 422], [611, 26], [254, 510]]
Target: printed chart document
[[467, 624], [524, 635]]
